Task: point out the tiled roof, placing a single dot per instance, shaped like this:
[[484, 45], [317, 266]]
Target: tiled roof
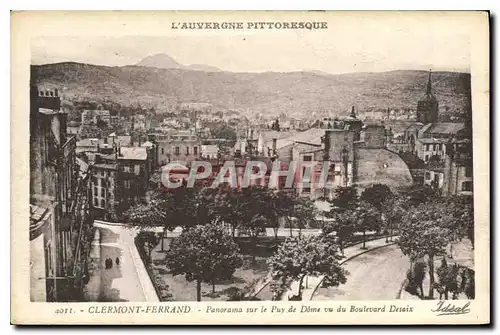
[[445, 128], [135, 153]]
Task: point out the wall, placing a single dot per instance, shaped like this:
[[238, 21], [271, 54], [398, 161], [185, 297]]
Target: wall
[[380, 166], [37, 270]]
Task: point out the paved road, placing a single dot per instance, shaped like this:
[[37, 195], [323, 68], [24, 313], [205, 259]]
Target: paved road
[[376, 275], [122, 282]]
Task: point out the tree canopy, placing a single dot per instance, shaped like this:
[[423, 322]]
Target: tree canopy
[[204, 254], [297, 258]]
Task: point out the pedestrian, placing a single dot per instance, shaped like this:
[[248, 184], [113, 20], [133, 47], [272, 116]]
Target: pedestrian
[[110, 263], [106, 262], [117, 261]]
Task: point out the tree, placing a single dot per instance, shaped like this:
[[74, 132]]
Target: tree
[[305, 212], [419, 269], [419, 194], [150, 215], [461, 225], [343, 224], [415, 279], [424, 233], [376, 195], [345, 197], [366, 217], [204, 254], [256, 209], [148, 240], [297, 258], [448, 280], [224, 131], [284, 203], [276, 125], [469, 287], [394, 210]]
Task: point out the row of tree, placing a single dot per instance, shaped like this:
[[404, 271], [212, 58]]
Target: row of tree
[[206, 250], [427, 225], [248, 211]]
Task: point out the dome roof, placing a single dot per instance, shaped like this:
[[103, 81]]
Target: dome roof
[[381, 166]]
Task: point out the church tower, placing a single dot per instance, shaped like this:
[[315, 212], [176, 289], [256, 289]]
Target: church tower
[[427, 107]]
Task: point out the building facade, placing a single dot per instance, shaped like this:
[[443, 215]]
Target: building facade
[[182, 146], [58, 208]]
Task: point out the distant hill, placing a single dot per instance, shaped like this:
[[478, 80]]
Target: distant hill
[[297, 94], [164, 61]]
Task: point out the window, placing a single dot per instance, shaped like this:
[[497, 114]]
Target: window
[[137, 169], [467, 186], [103, 204], [307, 158], [126, 168], [306, 190], [187, 151], [96, 190], [177, 151], [126, 183], [427, 147], [195, 151], [468, 172], [95, 202], [162, 151]]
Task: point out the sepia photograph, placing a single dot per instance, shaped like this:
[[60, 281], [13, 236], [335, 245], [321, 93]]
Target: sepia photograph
[[293, 158]]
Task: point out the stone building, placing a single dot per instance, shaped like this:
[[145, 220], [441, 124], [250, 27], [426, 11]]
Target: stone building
[[179, 145], [120, 179], [58, 208], [458, 173]]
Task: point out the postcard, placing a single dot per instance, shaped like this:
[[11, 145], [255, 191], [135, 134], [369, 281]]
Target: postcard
[[252, 167]]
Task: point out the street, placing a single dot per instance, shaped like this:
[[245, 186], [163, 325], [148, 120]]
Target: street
[[123, 282], [376, 275]]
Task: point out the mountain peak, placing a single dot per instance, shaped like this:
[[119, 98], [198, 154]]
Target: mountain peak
[[164, 61], [161, 61]]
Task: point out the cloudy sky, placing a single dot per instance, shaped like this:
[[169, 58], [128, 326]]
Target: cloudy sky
[[363, 46]]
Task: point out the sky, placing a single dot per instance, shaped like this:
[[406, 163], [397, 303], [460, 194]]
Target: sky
[[369, 47]]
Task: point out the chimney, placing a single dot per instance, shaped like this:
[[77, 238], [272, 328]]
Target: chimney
[[275, 142]]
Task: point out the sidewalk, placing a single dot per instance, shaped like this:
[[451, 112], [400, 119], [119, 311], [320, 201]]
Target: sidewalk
[[311, 283], [127, 281]]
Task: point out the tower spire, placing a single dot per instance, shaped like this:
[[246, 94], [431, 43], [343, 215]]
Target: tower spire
[[429, 84]]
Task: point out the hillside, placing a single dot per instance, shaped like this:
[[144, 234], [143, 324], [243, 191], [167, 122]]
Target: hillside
[[294, 93]]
